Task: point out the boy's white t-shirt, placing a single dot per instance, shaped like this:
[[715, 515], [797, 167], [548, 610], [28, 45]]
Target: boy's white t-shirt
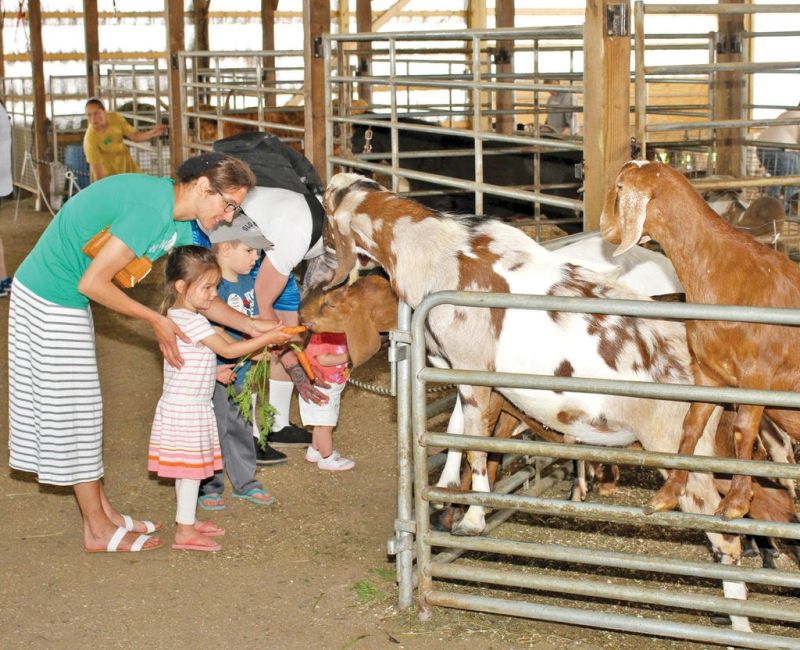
[[283, 217]]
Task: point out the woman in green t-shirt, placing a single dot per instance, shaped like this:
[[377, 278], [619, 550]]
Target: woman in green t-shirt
[[55, 407]]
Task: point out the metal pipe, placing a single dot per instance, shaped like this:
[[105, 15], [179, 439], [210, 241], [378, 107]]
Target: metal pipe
[[617, 514], [608, 620], [727, 9], [614, 591], [637, 457], [615, 560], [405, 477], [498, 517], [496, 190]]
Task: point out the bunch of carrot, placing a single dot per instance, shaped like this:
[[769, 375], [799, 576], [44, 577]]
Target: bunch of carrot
[[256, 381]]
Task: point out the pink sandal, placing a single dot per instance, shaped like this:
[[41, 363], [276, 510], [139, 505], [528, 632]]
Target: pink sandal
[[197, 543], [209, 529]]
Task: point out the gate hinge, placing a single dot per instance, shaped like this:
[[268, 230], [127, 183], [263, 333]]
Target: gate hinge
[[318, 47], [617, 20], [729, 43]]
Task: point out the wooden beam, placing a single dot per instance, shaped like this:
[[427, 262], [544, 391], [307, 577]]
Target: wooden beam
[[176, 42], [316, 22], [39, 97], [729, 93], [268, 10], [91, 37], [504, 65], [364, 26], [2, 49], [606, 106], [392, 12], [200, 22], [476, 19]]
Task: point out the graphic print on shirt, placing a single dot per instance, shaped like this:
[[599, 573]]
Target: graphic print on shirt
[[243, 303]]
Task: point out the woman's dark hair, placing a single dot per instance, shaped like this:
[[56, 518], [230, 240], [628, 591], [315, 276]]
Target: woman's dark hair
[[93, 101], [223, 172], [187, 263]]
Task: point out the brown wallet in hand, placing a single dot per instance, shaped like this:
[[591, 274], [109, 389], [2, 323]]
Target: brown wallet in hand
[[133, 272]]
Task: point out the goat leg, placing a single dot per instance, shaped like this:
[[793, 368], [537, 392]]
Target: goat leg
[[736, 503], [694, 423]]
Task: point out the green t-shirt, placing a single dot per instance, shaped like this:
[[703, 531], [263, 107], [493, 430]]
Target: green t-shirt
[[138, 210]]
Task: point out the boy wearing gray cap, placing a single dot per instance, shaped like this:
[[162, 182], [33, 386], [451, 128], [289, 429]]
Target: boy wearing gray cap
[[236, 246]]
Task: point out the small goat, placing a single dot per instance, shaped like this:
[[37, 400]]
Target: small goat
[[424, 251], [716, 264]]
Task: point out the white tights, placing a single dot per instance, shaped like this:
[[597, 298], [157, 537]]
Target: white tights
[[187, 490]]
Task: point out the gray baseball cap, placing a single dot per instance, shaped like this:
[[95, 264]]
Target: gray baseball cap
[[242, 229]]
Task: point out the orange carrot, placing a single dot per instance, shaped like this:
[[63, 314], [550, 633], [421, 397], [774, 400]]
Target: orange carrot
[[297, 329], [302, 357], [305, 364]]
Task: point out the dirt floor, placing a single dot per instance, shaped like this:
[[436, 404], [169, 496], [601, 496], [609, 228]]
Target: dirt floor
[[310, 571]]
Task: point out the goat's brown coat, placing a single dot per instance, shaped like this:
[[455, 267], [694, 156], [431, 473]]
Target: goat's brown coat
[[716, 264]]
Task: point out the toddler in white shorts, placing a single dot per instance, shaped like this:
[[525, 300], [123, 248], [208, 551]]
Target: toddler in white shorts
[[329, 358]]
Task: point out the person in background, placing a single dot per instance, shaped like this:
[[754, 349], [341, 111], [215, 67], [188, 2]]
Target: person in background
[[236, 248], [184, 443], [779, 161], [6, 187], [103, 143], [562, 122]]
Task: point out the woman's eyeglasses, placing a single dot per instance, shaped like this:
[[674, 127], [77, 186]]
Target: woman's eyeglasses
[[230, 206]]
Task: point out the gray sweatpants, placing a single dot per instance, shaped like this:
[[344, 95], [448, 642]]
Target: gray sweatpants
[[238, 448]]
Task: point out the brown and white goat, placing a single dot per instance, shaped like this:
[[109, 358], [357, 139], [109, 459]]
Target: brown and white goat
[[368, 307], [424, 251], [716, 264]]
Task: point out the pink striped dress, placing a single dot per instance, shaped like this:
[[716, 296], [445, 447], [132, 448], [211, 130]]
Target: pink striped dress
[[183, 440]]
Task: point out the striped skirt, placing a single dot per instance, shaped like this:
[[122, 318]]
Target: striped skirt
[[55, 410]]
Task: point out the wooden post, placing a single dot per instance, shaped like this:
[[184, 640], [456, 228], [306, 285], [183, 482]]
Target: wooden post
[[2, 51], [504, 65], [175, 43], [606, 104], [364, 26], [316, 22], [92, 38], [729, 93], [200, 20], [39, 97], [476, 19], [268, 9]]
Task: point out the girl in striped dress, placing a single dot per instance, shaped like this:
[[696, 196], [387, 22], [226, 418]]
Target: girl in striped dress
[[183, 441]]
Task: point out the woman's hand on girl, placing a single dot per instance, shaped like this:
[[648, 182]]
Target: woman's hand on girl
[[167, 333]]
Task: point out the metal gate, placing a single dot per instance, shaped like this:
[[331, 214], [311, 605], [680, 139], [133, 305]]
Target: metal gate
[[613, 602]]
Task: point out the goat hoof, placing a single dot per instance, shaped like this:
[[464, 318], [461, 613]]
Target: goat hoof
[[607, 490], [443, 520], [665, 499], [466, 531], [732, 509]]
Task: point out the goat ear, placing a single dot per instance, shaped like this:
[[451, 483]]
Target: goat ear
[[363, 340], [344, 248], [631, 207]]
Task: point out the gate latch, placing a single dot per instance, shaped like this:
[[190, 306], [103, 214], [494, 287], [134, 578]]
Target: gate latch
[[617, 20]]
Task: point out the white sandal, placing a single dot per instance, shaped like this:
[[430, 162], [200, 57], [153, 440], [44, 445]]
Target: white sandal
[[117, 537], [149, 526]]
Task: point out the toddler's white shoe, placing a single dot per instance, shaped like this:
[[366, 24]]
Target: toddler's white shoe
[[312, 455], [335, 463]]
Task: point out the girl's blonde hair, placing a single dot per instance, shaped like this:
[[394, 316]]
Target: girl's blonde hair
[[187, 263]]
